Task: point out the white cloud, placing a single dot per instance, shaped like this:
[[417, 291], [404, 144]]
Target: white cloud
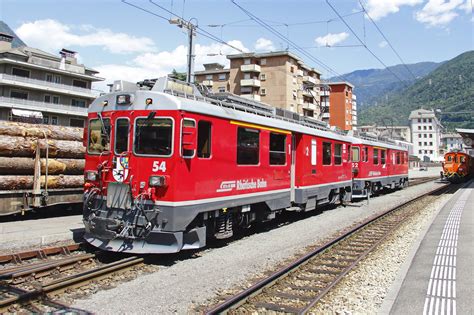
[[331, 39], [263, 44], [378, 9], [383, 44], [440, 12], [51, 35], [153, 65]]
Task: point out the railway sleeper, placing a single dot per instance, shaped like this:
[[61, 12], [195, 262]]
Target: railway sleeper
[[278, 307]]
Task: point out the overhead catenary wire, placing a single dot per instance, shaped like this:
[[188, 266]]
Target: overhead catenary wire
[[287, 40], [363, 44], [205, 34], [387, 40]]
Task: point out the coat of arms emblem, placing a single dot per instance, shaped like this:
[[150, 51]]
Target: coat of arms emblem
[[120, 171]]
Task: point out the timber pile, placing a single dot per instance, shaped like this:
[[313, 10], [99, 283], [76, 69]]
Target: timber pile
[[18, 145]]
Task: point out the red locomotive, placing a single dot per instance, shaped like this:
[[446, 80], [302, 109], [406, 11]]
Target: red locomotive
[[167, 168], [458, 166]]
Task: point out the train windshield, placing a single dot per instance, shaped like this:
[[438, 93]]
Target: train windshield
[[99, 136], [153, 136]]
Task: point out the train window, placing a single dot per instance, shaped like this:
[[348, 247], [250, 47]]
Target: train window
[[326, 153], [462, 159], [277, 149], [188, 134], [450, 158], [376, 156], [398, 157], [337, 154], [153, 136], [313, 151], [365, 154], [355, 154], [248, 146], [99, 136], [204, 139], [382, 156], [122, 127]]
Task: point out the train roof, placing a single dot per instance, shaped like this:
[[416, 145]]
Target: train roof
[[224, 105]]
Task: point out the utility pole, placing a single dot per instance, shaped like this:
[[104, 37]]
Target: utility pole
[[191, 33]]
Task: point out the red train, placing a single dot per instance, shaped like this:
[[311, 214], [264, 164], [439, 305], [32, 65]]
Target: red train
[[457, 166], [167, 168]]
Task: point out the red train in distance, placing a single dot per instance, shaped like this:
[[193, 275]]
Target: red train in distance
[[458, 166], [167, 168]]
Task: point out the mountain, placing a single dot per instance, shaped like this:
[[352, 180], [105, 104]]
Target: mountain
[[371, 84], [17, 42], [449, 88]]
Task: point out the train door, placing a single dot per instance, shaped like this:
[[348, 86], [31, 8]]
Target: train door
[[293, 167]]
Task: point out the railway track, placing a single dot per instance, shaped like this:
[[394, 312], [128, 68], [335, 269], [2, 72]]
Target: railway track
[[33, 285], [298, 287]]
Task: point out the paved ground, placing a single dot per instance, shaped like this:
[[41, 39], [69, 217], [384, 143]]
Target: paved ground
[[432, 171], [440, 278], [29, 233]]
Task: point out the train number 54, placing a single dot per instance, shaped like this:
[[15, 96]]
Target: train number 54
[[159, 166]]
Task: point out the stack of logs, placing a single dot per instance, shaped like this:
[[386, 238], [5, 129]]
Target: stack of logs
[[18, 145]]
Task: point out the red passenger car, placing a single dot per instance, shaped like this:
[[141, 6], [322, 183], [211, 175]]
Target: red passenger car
[[165, 170], [377, 165]]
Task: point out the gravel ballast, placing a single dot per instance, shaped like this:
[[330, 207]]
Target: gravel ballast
[[182, 284]]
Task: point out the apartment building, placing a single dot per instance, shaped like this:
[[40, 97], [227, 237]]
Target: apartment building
[[426, 135], [279, 79], [393, 132], [339, 105], [214, 77], [452, 142], [38, 86]]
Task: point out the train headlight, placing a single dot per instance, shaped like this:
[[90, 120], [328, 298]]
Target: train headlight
[[91, 176], [157, 181]]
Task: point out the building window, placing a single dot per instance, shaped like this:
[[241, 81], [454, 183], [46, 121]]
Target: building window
[[420, 144], [51, 99], [431, 135], [263, 61], [431, 151], [277, 149], [337, 154], [419, 120], [21, 72], [246, 61], [54, 120], [424, 127], [429, 119], [263, 92], [263, 77], [376, 156], [430, 127], [204, 139], [431, 143], [247, 76], [45, 120], [74, 122], [222, 77], [248, 146], [419, 127], [420, 151], [53, 78], [326, 153], [208, 76], [424, 135], [79, 83], [78, 103], [221, 89], [419, 135], [19, 94], [424, 120], [425, 143], [292, 69]]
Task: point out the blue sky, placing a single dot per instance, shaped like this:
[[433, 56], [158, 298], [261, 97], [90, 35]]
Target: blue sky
[[123, 42]]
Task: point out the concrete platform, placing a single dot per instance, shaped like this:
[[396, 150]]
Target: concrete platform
[[440, 277], [29, 233]]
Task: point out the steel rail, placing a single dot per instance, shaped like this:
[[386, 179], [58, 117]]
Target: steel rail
[[41, 253], [23, 296], [240, 298]]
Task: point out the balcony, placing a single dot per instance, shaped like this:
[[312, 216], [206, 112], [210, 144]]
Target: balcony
[[309, 93], [326, 115], [354, 98], [309, 79], [254, 97], [354, 107], [325, 104], [250, 68], [10, 102], [23, 82], [299, 73], [250, 82], [208, 83], [309, 105]]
